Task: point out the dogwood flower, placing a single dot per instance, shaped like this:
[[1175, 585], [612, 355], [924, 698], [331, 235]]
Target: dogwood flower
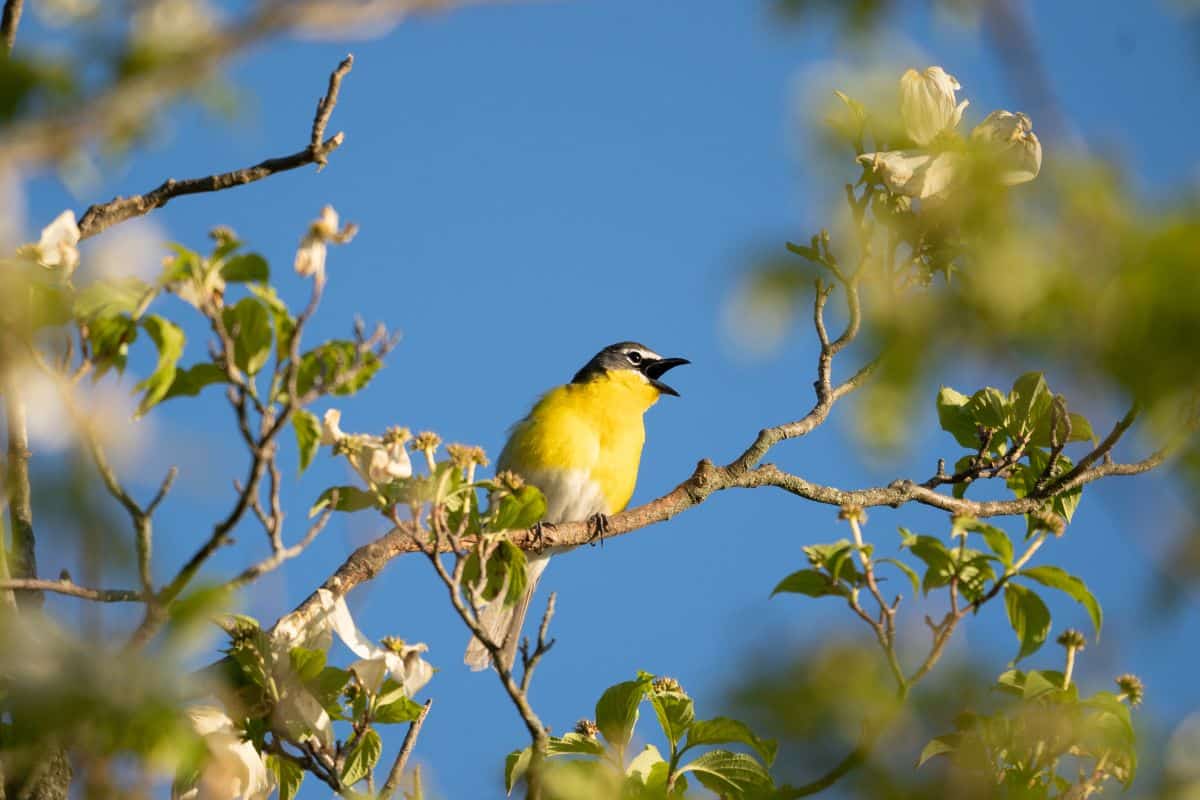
[[234, 769], [57, 248], [931, 116], [310, 256], [396, 658], [928, 105], [1010, 138], [376, 459]]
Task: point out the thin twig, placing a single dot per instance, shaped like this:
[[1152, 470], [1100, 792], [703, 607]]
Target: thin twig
[[23, 555], [406, 748], [104, 215], [74, 590]]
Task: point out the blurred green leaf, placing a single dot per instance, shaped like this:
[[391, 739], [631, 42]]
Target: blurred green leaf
[[307, 664], [909, 572], [399, 710], [940, 745], [109, 338], [107, 298], [169, 340], [189, 382], [308, 435], [249, 325], [246, 268], [520, 509], [348, 498], [996, 538], [575, 744], [723, 730], [331, 366], [281, 318], [288, 775], [516, 764], [1029, 617], [1057, 578]]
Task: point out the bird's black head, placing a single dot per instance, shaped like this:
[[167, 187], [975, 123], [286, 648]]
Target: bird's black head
[[631, 356]]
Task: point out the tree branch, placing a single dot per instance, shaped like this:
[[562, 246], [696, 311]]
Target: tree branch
[[67, 587], [8, 25], [102, 216], [410, 741], [23, 557]]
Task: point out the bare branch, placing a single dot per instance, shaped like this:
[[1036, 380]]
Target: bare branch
[[8, 25], [74, 590], [104, 215], [22, 561], [410, 741]]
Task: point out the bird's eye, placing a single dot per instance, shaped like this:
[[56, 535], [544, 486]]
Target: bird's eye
[[634, 357]]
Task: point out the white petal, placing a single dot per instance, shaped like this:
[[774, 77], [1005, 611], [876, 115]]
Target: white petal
[[310, 257], [371, 671], [326, 225], [914, 173], [399, 463], [377, 461], [347, 631], [62, 230], [331, 429], [1010, 140], [207, 720], [417, 671], [927, 103]]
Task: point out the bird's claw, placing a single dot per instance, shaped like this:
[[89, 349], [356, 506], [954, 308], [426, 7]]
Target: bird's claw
[[539, 530], [598, 525]]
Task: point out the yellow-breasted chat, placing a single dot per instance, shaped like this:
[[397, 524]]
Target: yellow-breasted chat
[[581, 445]]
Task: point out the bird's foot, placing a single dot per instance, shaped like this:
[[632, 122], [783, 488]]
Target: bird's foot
[[539, 530], [598, 525]]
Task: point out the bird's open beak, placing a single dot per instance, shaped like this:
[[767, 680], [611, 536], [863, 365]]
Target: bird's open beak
[[656, 369]]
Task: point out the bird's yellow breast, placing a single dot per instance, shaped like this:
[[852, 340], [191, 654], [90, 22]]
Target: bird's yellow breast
[[595, 427]]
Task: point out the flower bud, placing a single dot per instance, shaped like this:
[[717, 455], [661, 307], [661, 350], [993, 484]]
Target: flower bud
[[585, 727], [1072, 639], [1132, 688], [1010, 140], [928, 105], [666, 684]]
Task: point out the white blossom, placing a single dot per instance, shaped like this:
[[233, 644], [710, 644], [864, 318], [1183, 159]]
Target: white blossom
[[376, 459], [58, 246], [915, 173], [1010, 138], [234, 769], [331, 430], [310, 256], [402, 661], [928, 105]]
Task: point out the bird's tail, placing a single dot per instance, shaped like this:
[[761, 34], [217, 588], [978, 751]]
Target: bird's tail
[[503, 625]]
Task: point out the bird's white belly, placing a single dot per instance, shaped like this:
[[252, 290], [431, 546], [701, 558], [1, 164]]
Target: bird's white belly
[[571, 496]]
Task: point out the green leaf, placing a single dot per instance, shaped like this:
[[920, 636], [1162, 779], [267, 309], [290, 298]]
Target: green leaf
[[734, 775], [906, 569], [327, 689], [329, 365], [954, 418], [246, 268], [644, 762], [723, 730], [940, 566], [399, 710], [362, 758], [937, 746], [1041, 682], [1057, 578], [282, 319], [575, 744], [1029, 617], [617, 710], [169, 339], [308, 435], [675, 712], [306, 663], [288, 775], [505, 569], [1030, 401], [109, 338], [516, 764], [997, 539], [189, 382], [110, 297], [810, 582], [989, 408], [249, 325], [520, 509], [349, 498], [1081, 429]]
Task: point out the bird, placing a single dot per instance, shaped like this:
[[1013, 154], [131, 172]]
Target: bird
[[580, 445]]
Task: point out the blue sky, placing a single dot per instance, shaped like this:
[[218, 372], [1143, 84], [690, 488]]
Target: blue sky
[[536, 181]]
